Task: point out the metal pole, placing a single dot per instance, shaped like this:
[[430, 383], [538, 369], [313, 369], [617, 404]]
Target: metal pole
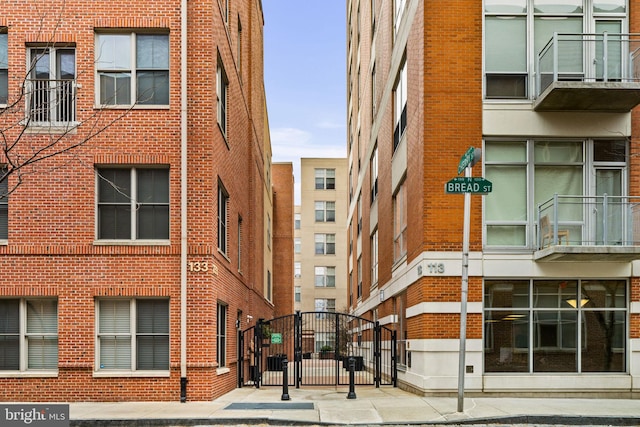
[[285, 380], [352, 388], [464, 292]]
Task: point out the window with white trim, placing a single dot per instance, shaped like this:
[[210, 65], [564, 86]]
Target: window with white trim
[[223, 218], [132, 68], [325, 277], [221, 335], [325, 211], [325, 179], [374, 174], [28, 334], [400, 222], [4, 66], [374, 258], [132, 334], [324, 305], [325, 244], [4, 203], [400, 106], [133, 203], [222, 90]]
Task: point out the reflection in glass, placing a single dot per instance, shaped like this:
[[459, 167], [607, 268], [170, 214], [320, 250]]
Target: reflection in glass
[[506, 341]]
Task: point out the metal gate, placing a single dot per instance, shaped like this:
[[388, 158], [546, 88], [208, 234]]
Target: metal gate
[[315, 348]]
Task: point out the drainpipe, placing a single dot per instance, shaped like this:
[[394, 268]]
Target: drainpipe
[[183, 201]]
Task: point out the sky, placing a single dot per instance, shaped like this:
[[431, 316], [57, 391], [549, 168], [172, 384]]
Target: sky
[[305, 79]]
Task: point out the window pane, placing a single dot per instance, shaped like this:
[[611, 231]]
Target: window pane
[[609, 6], [9, 353], [42, 316], [153, 222], [66, 63], [603, 341], [558, 152], [570, 52], [114, 52], [4, 51], [505, 6], [153, 87], [555, 338], [604, 294], [607, 151], [152, 316], [114, 316], [4, 86], [152, 51], [554, 293], [115, 353], [557, 6], [153, 352], [506, 294], [506, 54], [506, 235], [506, 341], [508, 199], [114, 222], [115, 88], [153, 185], [114, 185], [4, 221], [9, 316], [43, 352]]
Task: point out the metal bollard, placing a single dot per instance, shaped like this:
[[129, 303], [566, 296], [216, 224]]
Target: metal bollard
[[352, 380], [285, 380]]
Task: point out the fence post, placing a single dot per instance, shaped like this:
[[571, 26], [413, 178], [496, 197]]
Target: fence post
[[285, 380], [352, 365]]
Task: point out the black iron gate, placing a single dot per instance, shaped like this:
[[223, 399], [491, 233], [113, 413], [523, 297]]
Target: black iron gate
[[315, 348]]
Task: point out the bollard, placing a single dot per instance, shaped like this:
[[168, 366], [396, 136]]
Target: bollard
[[285, 380], [352, 386]]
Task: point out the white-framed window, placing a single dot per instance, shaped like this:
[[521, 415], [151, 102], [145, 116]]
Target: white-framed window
[[133, 203], [4, 203], [374, 95], [132, 68], [374, 258], [325, 179], [324, 305], [222, 97], [374, 174], [399, 10], [4, 66], [296, 221], [555, 325], [50, 87], [297, 245], [517, 31], [297, 268], [325, 244], [400, 105], [400, 222], [239, 243], [359, 290], [223, 218], [132, 334], [325, 277], [297, 293], [221, 335], [325, 211], [28, 334]]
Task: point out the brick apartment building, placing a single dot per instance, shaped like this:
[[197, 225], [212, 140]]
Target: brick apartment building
[[130, 259], [553, 303]]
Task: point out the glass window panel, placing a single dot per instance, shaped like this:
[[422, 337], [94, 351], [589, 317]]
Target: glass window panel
[[506, 235], [152, 352], [9, 353], [115, 353], [9, 316], [604, 294], [609, 6], [4, 51], [114, 316], [114, 222], [505, 152], [66, 64], [153, 185], [505, 54], [569, 52], [554, 337], [115, 88], [506, 341], [508, 199], [4, 221], [153, 87], [152, 316], [505, 6], [563, 180], [603, 341], [152, 51], [610, 151], [554, 293], [506, 294], [4, 86], [114, 185], [43, 353], [557, 6], [153, 222], [42, 316], [614, 49], [114, 52]]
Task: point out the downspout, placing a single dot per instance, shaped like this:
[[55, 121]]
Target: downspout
[[183, 201]]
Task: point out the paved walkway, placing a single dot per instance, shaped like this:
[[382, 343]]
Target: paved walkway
[[330, 406]]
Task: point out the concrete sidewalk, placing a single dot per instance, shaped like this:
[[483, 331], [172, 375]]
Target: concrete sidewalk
[[330, 406]]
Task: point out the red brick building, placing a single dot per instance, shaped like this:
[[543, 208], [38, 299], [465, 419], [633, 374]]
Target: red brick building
[[131, 257], [552, 303]]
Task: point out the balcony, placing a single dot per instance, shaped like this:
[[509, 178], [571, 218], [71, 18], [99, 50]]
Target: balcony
[[588, 72], [589, 228], [51, 102]]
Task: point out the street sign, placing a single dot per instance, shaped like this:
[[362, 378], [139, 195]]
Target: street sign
[[276, 338], [469, 158], [473, 185]]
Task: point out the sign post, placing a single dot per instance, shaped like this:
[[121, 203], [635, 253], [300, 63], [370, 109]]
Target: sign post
[[466, 185]]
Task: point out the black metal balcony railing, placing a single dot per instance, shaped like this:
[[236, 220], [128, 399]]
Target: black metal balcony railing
[[602, 72], [589, 221], [51, 101]]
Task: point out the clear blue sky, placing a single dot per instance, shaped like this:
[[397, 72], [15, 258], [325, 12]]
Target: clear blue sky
[[305, 79]]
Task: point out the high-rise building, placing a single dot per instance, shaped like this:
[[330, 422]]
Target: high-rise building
[[320, 275], [545, 296], [136, 210]]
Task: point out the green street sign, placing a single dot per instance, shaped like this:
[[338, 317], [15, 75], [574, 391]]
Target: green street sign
[[473, 185], [276, 338], [469, 158]]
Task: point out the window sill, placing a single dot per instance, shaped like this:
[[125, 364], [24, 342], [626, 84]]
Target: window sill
[[222, 371], [28, 374], [131, 374], [4, 242], [131, 242]]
